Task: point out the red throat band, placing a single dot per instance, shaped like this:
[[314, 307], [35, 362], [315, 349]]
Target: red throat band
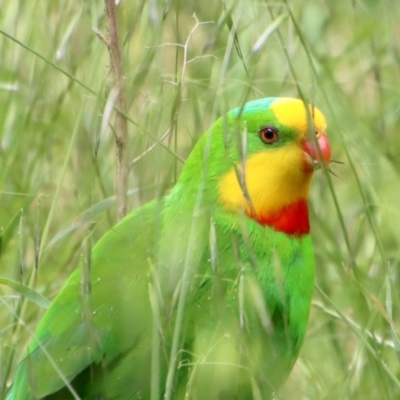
[[291, 219]]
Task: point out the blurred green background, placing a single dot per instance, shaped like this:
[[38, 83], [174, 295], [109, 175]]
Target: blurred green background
[[186, 63]]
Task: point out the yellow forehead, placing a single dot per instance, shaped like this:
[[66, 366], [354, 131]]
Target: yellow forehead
[[292, 113]]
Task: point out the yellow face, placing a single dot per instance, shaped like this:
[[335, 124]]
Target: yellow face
[[278, 176]]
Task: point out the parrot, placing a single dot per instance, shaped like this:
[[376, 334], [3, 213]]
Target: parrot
[[203, 293]]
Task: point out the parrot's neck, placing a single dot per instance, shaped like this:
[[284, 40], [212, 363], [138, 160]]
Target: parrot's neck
[[292, 219]]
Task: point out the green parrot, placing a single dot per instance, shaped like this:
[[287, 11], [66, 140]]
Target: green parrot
[[204, 293]]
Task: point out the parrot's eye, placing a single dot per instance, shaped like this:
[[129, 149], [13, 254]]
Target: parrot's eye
[[269, 134]]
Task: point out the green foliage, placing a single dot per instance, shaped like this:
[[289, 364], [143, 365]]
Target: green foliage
[[57, 156]]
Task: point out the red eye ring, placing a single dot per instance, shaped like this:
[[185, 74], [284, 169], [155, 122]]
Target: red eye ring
[[269, 134]]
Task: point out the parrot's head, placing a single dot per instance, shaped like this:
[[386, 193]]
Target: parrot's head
[[271, 148]]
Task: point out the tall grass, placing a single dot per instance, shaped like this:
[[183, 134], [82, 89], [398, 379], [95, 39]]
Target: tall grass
[[185, 64]]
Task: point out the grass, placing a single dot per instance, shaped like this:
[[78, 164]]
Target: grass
[[57, 155]]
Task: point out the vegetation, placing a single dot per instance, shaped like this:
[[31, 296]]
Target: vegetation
[[186, 63]]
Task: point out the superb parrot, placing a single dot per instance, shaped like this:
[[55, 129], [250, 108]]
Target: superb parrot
[[204, 293]]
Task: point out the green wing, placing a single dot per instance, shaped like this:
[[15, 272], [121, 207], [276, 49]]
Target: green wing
[[79, 330]]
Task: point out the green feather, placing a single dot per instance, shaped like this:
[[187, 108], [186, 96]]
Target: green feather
[[186, 298]]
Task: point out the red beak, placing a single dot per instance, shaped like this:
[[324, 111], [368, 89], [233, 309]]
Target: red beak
[[321, 154]]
